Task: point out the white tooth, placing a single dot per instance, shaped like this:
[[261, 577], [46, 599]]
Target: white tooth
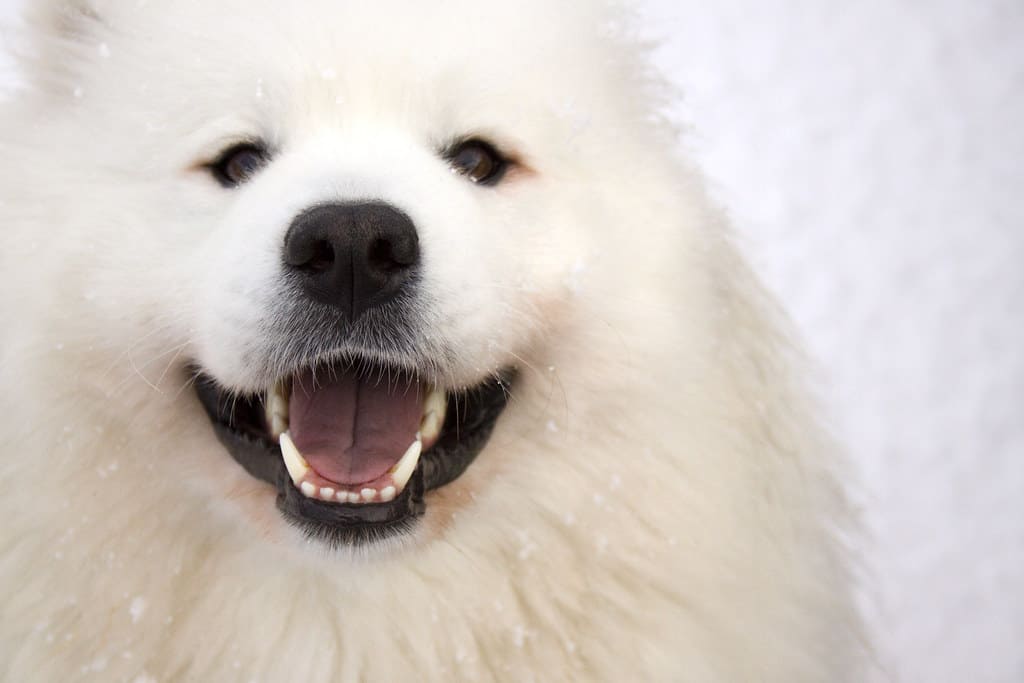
[[368, 494], [435, 405], [278, 425], [277, 409], [430, 428], [268, 411], [404, 469], [308, 489], [388, 494], [279, 400], [297, 466], [342, 496], [327, 493], [436, 402], [353, 497]]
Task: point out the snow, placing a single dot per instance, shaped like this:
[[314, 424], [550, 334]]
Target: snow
[[870, 154]]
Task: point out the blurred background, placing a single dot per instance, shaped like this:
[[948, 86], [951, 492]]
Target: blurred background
[[871, 155]]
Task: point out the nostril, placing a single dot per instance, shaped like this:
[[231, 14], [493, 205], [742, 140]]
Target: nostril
[[321, 258], [310, 254], [381, 256]]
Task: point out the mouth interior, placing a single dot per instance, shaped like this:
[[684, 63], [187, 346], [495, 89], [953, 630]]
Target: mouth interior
[[352, 446], [353, 433], [352, 427]]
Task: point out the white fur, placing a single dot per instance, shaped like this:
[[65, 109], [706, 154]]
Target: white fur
[[657, 503]]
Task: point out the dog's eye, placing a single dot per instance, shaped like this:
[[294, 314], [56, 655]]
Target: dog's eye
[[479, 161], [239, 163]]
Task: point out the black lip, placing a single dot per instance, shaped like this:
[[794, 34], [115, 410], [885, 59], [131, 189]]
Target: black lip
[[238, 423]]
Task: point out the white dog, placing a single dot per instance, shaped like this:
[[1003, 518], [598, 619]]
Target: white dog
[[389, 342]]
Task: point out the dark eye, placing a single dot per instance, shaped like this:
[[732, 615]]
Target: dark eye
[[479, 161], [239, 163]]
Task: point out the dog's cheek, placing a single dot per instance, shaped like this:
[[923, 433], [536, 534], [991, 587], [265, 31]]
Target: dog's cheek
[[480, 306], [237, 285]]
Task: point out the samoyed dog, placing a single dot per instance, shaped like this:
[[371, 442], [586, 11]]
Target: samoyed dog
[[389, 341]]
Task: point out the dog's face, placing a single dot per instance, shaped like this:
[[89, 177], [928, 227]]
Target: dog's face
[[355, 228]]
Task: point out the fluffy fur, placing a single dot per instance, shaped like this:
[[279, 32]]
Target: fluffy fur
[[657, 503]]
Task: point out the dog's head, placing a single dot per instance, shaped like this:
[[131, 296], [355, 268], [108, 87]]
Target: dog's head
[[358, 230]]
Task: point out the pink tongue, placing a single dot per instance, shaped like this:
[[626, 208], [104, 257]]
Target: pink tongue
[[353, 430]]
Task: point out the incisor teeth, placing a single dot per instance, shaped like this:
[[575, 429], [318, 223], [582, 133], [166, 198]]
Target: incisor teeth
[[299, 469], [404, 469], [297, 466]]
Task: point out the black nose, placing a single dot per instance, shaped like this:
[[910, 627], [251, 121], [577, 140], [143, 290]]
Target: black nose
[[352, 256]]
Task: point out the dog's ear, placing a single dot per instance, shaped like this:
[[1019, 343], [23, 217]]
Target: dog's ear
[[60, 36]]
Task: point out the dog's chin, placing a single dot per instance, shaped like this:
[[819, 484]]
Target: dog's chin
[[353, 447]]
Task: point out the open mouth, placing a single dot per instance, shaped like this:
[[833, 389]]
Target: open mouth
[[353, 446]]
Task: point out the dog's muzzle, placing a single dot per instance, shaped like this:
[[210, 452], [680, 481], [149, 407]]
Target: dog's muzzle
[[353, 437]]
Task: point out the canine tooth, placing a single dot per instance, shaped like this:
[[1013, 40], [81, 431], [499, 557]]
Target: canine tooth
[[368, 494], [435, 405], [277, 409], [279, 399], [404, 469], [278, 425], [268, 409], [436, 402], [297, 466], [308, 489], [388, 494], [327, 493], [430, 427]]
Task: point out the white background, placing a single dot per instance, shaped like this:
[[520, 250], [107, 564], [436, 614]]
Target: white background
[[872, 156]]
